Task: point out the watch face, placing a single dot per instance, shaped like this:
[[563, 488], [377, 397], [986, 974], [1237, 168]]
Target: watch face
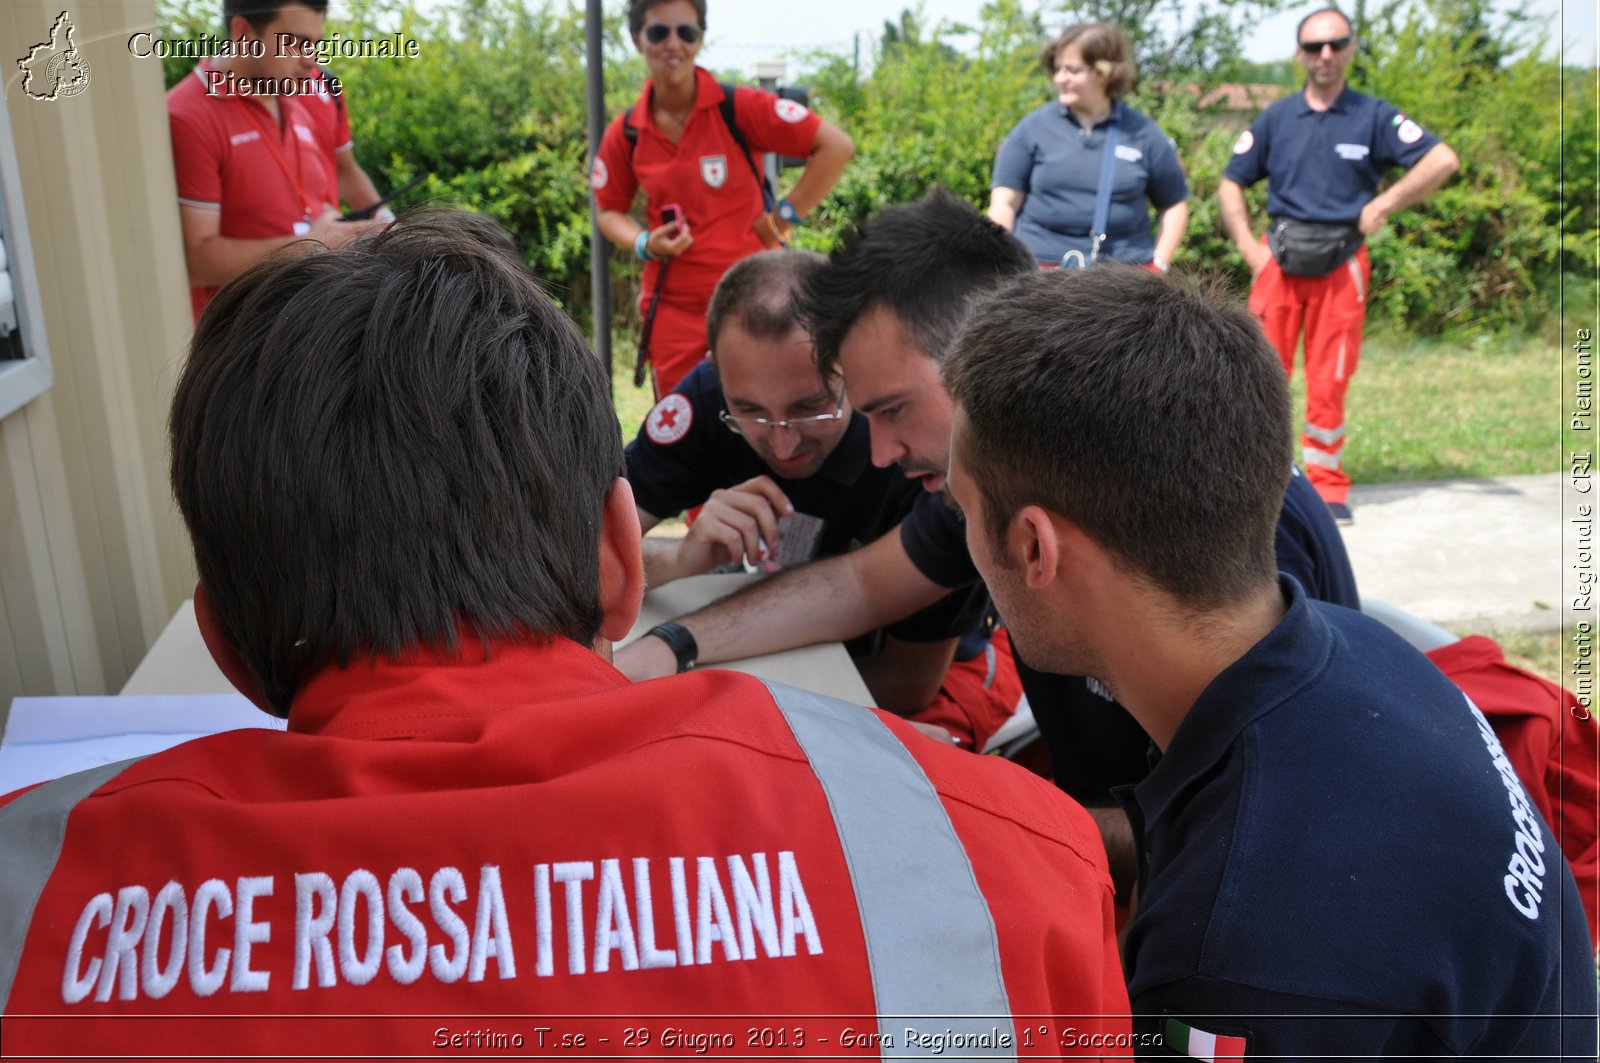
[[787, 212]]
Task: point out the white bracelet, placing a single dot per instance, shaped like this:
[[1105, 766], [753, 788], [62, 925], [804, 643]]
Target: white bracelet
[[1160, 265]]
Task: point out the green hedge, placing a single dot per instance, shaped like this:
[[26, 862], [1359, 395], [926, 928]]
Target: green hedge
[[494, 108]]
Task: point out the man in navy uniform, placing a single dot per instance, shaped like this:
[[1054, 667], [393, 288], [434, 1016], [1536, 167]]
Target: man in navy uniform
[[1323, 152], [885, 310], [1337, 859], [771, 450]]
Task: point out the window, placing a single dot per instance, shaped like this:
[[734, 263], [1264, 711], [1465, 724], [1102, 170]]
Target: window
[[25, 371]]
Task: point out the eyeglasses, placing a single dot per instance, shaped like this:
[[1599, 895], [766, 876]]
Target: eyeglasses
[[746, 425], [657, 32], [1338, 44]]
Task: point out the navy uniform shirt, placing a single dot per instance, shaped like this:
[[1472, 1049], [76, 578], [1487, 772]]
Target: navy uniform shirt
[[1094, 744], [1056, 163], [1338, 861], [683, 452], [1324, 166]]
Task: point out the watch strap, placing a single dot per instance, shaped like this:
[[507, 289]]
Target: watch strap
[[680, 641]]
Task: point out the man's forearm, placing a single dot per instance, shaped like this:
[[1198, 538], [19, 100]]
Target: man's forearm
[[814, 603], [219, 259], [1235, 215], [1431, 171], [662, 555]]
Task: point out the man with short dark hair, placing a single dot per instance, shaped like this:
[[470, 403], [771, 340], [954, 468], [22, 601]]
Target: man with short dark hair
[[885, 311], [1337, 860], [781, 465], [1323, 152], [415, 542], [251, 156]]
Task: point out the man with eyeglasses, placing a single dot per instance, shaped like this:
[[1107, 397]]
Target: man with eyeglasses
[[1323, 152], [884, 311], [782, 467]]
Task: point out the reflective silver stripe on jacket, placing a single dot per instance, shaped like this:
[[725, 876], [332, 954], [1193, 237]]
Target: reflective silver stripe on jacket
[[931, 941], [31, 832]]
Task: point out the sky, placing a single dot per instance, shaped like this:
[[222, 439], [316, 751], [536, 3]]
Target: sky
[[742, 31]]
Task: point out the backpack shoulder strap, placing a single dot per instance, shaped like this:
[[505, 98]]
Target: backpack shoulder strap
[[630, 134], [725, 108]]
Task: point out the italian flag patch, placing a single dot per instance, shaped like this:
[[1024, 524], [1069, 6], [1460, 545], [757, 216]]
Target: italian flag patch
[[1199, 1044]]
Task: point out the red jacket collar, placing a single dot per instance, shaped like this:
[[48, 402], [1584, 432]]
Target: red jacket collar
[[432, 693]]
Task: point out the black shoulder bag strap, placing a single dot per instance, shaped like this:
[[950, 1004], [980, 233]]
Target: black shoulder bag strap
[[769, 202]]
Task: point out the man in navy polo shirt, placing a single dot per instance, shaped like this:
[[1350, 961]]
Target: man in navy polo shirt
[[1337, 860], [885, 310], [1323, 152], [780, 463]]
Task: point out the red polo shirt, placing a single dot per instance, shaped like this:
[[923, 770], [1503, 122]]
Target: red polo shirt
[[705, 173], [332, 118], [225, 162]]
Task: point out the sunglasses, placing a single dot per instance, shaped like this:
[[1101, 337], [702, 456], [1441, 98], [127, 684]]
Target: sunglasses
[[657, 32], [1338, 44]]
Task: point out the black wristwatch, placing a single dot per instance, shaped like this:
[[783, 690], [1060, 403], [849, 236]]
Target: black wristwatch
[[680, 641]]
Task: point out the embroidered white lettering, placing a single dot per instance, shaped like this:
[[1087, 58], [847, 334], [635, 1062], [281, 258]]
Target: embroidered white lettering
[[753, 907], [713, 922], [447, 887], [405, 887], [544, 964], [247, 933], [613, 927], [491, 931], [156, 979], [794, 907], [313, 924], [650, 957], [75, 988], [127, 926], [362, 885], [574, 873], [213, 893]]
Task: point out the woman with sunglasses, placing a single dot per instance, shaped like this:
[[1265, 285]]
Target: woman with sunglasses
[[676, 145], [1089, 157]]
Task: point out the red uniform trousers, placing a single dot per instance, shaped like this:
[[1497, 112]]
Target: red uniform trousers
[[1331, 311], [977, 696], [678, 336]]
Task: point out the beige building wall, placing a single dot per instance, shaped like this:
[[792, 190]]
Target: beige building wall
[[93, 558]]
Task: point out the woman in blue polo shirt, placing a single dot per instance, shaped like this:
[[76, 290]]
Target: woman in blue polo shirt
[[1047, 174]]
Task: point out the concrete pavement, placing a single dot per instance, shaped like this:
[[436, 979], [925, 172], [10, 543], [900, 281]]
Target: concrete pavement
[[1469, 555]]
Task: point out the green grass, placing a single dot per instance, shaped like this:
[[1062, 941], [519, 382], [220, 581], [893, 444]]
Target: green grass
[[631, 403], [1431, 409]]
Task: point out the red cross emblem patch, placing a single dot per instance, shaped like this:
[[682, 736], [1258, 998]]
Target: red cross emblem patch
[[669, 421]]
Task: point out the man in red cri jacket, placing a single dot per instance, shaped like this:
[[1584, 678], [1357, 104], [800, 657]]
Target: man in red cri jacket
[[417, 545]]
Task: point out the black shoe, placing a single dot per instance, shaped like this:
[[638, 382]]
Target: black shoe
[[1341, 514]]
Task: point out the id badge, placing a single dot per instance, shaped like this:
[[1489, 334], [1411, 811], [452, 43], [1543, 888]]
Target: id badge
[[798, 537], [301, 228]]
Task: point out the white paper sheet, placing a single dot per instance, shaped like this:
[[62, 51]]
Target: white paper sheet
[[46, 738]]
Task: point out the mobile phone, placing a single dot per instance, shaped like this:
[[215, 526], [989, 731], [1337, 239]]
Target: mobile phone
[[672, 215]]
